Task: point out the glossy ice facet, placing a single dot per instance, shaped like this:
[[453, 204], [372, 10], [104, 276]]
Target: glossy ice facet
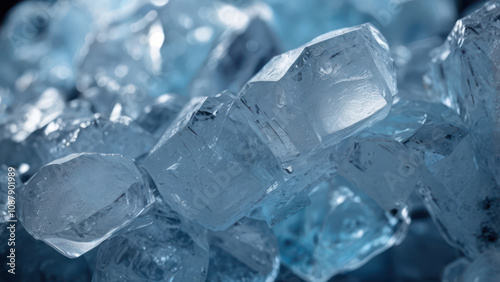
[[76, 202], [210, 166], [314, 96]]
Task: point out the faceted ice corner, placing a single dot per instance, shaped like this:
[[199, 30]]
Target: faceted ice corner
[[342, 229], [158, 249], [321, 93], [210, 166], [461, 195], [236, 57], [36, 261], [39, 43], [464, 76], [76, 202], [246, 251]]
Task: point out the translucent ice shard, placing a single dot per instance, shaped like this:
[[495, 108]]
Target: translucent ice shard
[[341, 230], [157, 117], [464, 76], [89, 134], [246, 251], [483, 269], [459, 192], [76, 202], [160, 249], [236, 57], [316, 95], [210, 166]]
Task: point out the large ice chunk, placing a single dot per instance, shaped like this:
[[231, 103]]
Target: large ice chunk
[[246, 251], [459, 192], [210, 166], [314, 96], [160, 249], [76, 202], [465, 77], [342, 229]]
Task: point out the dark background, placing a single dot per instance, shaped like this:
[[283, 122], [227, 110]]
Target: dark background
[[5, 5]]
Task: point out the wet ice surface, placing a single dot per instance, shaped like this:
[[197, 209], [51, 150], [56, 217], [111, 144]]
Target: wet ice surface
[[196, 140]]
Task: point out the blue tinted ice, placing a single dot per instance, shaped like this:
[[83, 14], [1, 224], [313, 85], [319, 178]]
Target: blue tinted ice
[[246, 251], [159, 249], [89, 134], [314, 96], [464, 77], [76, 202], [210, 166], [341, 230], [236, 57], [459, 192]]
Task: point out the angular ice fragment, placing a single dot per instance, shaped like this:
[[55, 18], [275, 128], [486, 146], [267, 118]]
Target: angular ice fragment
[[76, 202], [155, 48], [91, 134], [382, 168], [464, 76], [236, 57], [210, 166], [342, 229], [160, 249], [246, 251], [158, 116], [321, 93], [461, 195]]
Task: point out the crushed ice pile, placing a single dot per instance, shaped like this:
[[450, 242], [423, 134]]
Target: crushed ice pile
[[225, 140]]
